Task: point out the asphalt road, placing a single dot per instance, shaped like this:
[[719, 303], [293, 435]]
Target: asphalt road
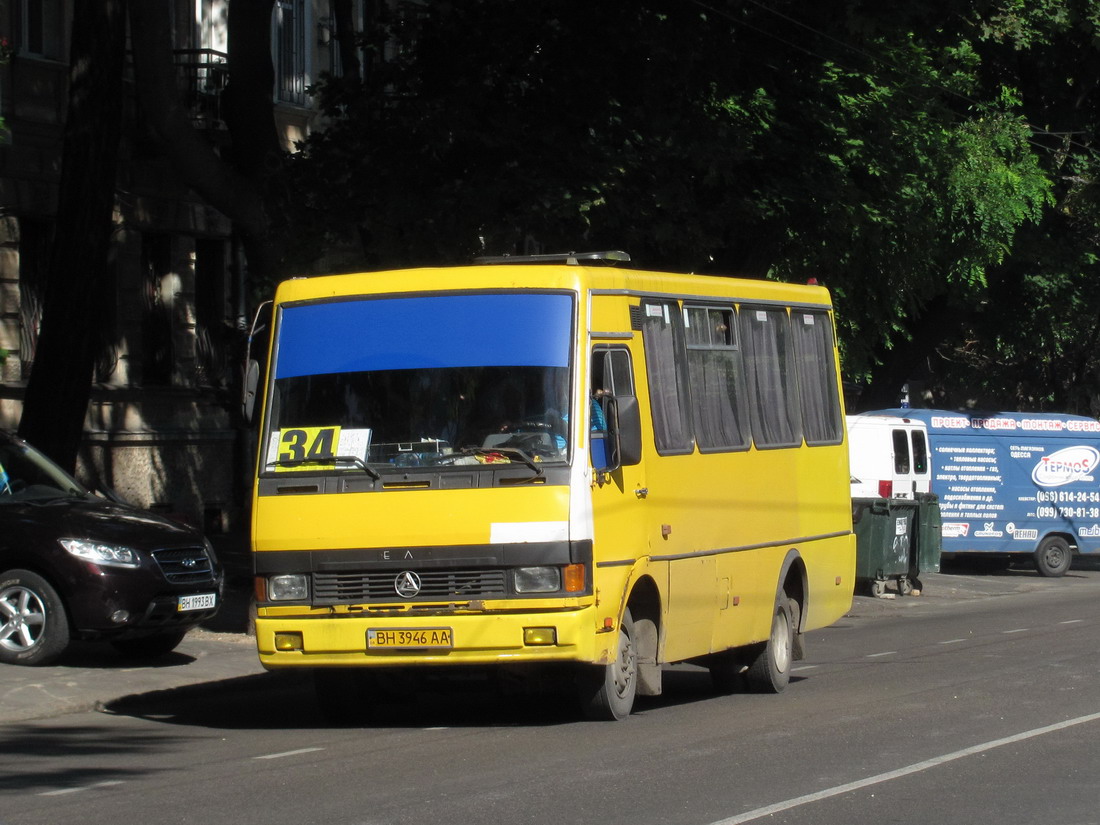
[[981, 708]]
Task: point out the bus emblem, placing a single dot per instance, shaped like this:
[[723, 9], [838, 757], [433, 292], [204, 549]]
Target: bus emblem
[[407, 584]]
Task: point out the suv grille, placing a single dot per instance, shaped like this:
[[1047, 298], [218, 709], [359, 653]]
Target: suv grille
[[434, 585], [185, 565]]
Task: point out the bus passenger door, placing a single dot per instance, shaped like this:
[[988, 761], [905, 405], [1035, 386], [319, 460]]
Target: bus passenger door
[[618, 493]]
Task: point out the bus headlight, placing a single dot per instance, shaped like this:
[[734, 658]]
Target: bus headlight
[[288, 588], [537, 579]]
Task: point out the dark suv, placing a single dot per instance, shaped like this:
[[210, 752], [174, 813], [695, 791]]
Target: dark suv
[[75, 565]]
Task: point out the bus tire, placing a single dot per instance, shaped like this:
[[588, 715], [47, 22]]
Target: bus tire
[[1053, 557], [607, 693], [770, 670]]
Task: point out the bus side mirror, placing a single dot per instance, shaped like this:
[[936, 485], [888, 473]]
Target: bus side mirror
[[621, 444], [251, 384], [628, 430]]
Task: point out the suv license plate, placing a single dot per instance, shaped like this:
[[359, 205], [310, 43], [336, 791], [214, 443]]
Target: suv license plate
[[418, 639], [200, 601]]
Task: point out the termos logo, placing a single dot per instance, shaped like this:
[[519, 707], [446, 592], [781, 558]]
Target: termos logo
[[1065, 466]]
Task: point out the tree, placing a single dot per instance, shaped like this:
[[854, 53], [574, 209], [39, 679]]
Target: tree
[[242, 188], [861, 144], [60, 384]]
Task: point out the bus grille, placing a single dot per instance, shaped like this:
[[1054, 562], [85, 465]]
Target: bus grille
[[434, 585]]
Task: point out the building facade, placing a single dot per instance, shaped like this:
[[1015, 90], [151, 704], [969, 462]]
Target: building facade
[[163, 428]]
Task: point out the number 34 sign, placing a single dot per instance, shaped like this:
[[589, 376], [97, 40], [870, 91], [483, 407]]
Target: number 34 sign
[[314, 448]]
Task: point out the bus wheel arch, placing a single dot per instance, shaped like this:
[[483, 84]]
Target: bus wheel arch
[[794, 584], [1054, 555], [607, 692], [645, 608], [769, 669]]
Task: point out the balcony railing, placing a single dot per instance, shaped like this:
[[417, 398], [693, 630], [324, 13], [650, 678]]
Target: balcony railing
[[201, 75]]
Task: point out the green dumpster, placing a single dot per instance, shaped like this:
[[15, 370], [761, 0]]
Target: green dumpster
[[929, 547], [885, 533]]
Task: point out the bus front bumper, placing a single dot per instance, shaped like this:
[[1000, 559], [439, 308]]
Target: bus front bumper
[[372, 641]]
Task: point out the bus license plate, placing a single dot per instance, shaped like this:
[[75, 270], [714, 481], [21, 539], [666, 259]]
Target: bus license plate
[[200, 601], [418, 639]]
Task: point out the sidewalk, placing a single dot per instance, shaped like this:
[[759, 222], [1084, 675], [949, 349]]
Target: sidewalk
[[91, 676]]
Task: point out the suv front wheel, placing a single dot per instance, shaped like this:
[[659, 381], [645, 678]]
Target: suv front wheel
[[34, 629]]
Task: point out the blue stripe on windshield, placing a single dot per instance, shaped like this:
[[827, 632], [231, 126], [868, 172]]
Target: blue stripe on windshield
[[493, 330]]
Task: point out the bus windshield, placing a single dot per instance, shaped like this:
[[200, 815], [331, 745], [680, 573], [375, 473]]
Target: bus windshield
[[467, 379]]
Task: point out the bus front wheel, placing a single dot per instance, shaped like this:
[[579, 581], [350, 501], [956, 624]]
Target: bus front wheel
[[607, 692], [770, 670], [1053, 557]]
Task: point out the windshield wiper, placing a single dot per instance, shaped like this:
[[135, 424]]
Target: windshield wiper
[[347, 459], [510, 452]]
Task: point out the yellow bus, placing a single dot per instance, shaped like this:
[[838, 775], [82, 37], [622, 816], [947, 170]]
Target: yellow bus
[[551, 465]]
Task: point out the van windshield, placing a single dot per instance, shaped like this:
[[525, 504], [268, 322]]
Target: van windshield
[[433, 380]]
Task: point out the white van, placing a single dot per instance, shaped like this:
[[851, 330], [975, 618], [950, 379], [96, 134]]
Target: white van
[[888, 456]]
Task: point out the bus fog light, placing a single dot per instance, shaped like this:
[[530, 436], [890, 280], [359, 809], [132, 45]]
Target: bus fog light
[[289, 588], [540, 635], [288, 640], [538, 580]]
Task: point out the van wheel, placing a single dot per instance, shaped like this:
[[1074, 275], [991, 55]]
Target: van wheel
[[770, 671], [1053, 557], [34, 629], [607, 693]]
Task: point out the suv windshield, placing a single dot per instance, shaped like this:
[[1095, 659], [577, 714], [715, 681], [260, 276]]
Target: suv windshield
[[26, 473], [421, 381]]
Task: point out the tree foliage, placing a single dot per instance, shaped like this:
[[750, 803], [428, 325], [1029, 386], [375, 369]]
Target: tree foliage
[[931, 162]]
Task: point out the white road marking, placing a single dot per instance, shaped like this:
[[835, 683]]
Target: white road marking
[[63, 791], [803, 667], [288, 753], [1017, 630], [953, 641], [885, 653], [917, 767], [1071, 621]]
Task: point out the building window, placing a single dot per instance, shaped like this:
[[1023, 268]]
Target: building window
[[41, 28], [289, 41]]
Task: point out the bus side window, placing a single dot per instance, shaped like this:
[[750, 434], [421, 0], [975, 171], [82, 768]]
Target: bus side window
[[663, 338]]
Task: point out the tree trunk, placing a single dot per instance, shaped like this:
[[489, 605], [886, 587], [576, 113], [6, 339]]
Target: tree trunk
[[57, 395], [238, 189]]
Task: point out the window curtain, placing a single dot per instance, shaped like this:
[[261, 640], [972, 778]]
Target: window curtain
[[817, 377]]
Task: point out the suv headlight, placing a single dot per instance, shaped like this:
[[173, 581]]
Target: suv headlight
[[112, 555]]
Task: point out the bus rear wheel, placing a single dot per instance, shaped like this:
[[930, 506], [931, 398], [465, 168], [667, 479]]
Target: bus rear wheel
[[607, 693], [1054, 556], [770, 671]]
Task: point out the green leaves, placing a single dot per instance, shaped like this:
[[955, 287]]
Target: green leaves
[[891, 150]]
